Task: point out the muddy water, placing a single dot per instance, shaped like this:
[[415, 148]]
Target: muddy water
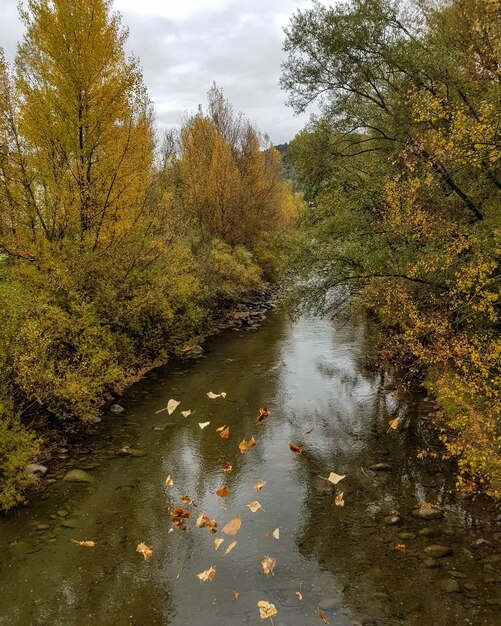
[[310, 375]]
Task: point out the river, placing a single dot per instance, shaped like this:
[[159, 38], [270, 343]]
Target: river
[[342, 561]]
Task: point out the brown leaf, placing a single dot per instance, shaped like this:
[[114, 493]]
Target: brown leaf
[[84, 544], [224, 432], [400, 547], [179, 522], [308, 432], [394, 423], [168, 481], [268, 564], [246, 445], [259, 485], [204, 521], [321, 614], [295, 448], [218, 542], [233, 526], [145, 550], [339, 499], [187, 500], [275, 534], [254, 506], [207, 575], [223, 492], [266, 609], [230, 547], [227, 467], [178, 511], [262, 414]]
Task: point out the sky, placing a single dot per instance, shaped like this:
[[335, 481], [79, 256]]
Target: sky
[[185, 45]]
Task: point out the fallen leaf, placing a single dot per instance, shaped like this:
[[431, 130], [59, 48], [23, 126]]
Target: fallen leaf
[[203, 424], [299, 594], [230, 547], [213, 396], [321, 614], [236, 595], [168, 481], [224, 432], [204, 521], [268, 564], [227, 467], [401, 547], [266, 609], [85, 544], [172, 406], [223, 492], [178, 511], [339, 500], [295, 448], [275, 534], [254, 506], [186, 413], [394, 423], [308, 432], [187, 500], [179, 522], [207, 575], [246, 445], [233, 526], [259, 485], [218, 542], [186, 349], [145, 550], [333, 478], [262, 414]]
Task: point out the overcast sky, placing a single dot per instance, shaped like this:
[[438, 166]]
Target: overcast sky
[[184, 45]]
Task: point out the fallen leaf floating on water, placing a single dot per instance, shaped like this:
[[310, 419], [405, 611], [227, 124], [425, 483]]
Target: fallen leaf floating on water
[[207, 575], [213, 396], [308, 432], [268, 564], [84, 544], [295, 448], [333, 478], [172, 406], [298, 593], [145, 550], [394, 423], [218, 542], [339, 500], [223, 492], [187, 500], [321, 614], [262, 414], [186, 413], [179, 515], [204, 521], [246, 445], [203, 424], [224, 432], [227, 467], [275, 534], [230, 547], [236, 595], [168, 481], [259, 485], [254, 506], [233, 526], [266, 609], [400, 547]]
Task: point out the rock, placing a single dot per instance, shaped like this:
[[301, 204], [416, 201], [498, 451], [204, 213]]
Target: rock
[[406, 536], [36, 468], [70, 523], [392, 519], [63, 513], [78, 476], [428, 531], [195, 352], [428, 511], [448, 585], [437, 551], [95, 419], [432, 563], [470, 586], [454, 574], [41, 527], [381, 467], [330, 604], [116, 408]]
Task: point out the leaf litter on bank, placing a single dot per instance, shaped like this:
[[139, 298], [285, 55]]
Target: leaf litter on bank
[[339, 499]]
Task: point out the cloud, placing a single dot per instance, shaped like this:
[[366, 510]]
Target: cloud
[[185, 46]]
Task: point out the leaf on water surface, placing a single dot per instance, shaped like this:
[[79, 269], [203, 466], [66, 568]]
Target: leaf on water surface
[[334, 478], [295, 448], [394, 423], [186, 413], [187, 500], [275, 534], [84, 544], [145, 550], [339, 499], [230, 547], [400, 547], [213, 396], [236, 595], [168, 481], [246, 445], [321, 614], [266, 609], [204, 521], [233, 526], [207, 575], [227, 467], [172, 406], [268, 564], [298, 593], [262, 414], [178, 511], [259, 485], [179, 522], [203, 424], [223, 492], [218, 542], [254, 506], [308, 432], [224, 432]]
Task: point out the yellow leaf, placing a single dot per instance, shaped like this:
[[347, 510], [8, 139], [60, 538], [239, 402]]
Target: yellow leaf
[[85, 544], [213, 396], [334, 478], [203, 424], [207, 575], [259, 485], [172, 406], [275, 534], [268, 564], [339, 500], [187, 500], [266, 609], [394, 423], [186, 413], [227, 467], [262, 414], [145, 550], [246, 445], [224, 432], [254, 506], [230, 547], [236, 595], [218, 542], [204, 521], [233, 526], [168, 481]]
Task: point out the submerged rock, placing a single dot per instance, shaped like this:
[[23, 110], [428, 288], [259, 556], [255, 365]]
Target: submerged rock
[[428, 511], [116, 408], [78, 476], [437, 551], [381, 467], [448, 585]]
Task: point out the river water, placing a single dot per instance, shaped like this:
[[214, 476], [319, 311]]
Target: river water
[[310, 374]]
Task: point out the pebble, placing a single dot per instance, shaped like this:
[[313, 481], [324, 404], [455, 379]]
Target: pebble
[[41, 527], [437, 551], [448, 585], [116, 408], [428, 512], [406, 536], [432, 563], [63, 513], [427, 532], [70, 523], [78, 476]]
